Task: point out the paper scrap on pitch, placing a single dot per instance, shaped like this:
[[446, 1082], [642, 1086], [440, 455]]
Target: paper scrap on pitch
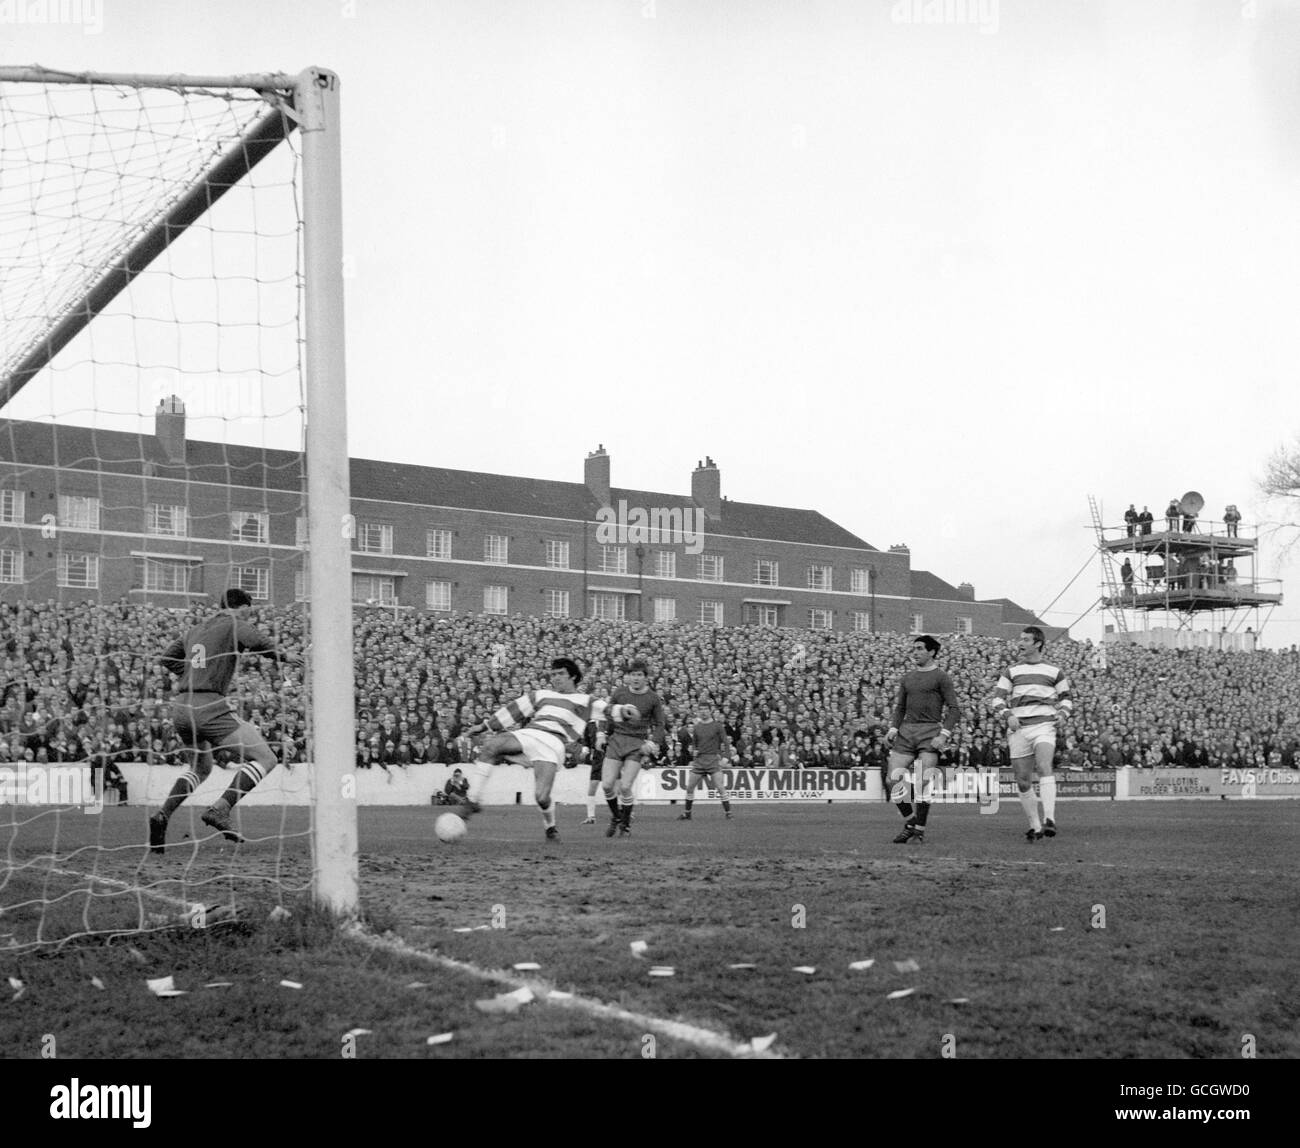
[[663, 971], [557, 995], [291, 984], [219, 985], [164, 987], [527, 967], [463, 929], [907, 966], [858, 966], [136, 954], [17, 986], [97, 982], [897, 993], [742, 966], [808, 969], [279, 913], [506, 1002], [763, 1043], [638, 947], [358, 1032], [418, 985], [1057, 929], [959, 1000], [441, 1038]]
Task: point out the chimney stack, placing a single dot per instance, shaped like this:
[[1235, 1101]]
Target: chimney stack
[[169, 428], [706, 488], [596, 475], [900, 548], [967, 591]]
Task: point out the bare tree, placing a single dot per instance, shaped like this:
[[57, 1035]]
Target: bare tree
[[1280, 486]]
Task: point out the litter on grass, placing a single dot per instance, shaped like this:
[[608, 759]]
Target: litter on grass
[[291, 984], [898, 993], [858, 966], [638, 947], [742, 966], [763, 1043], [441, 1038], [358, 1032], [807, 969], [663, 971], [907, 966], [527, 967]]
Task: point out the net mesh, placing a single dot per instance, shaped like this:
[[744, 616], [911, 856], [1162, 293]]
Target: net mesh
[[156, 459]]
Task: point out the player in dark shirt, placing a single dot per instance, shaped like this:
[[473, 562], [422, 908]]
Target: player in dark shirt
[[925, 713], [709, 746], [205, 660], [638, 731]]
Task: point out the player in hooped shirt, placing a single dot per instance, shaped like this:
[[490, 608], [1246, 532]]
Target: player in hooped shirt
[[205, 660], [539, 726], [1034, 695], [637, 715]]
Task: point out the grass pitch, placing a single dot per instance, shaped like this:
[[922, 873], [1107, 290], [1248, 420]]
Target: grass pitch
[[1145, 930]]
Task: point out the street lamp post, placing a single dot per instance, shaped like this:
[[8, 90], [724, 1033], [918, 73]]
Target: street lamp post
[[640, 570]]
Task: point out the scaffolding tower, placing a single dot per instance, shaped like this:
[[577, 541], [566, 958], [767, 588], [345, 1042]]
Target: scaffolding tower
[[1180, 568]]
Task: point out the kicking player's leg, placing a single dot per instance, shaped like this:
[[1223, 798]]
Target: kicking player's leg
[[627, 792], [544, 773], [492, 752], [1044, 751]]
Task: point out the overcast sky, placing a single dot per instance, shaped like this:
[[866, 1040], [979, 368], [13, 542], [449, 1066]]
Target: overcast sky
[[938, 270]]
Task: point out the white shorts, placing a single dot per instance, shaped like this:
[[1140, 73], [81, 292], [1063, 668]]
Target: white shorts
[[1021, 741], [539, 746]]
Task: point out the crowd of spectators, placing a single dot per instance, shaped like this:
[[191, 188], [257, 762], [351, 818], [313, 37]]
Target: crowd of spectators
[[82, 681]]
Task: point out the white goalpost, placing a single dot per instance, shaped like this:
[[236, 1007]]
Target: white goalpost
[[169, 240]]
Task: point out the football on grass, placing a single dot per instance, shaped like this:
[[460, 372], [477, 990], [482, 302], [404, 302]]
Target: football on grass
[[449, 827]]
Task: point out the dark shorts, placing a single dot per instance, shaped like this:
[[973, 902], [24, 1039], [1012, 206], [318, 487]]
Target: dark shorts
[[913, 737], [203, 717], [706, 764], [620, 747]]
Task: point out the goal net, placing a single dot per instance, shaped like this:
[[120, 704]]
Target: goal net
[[172, 425]]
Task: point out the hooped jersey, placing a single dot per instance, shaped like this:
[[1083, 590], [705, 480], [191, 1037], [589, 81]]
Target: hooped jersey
[[565, 716], [1034, 691]]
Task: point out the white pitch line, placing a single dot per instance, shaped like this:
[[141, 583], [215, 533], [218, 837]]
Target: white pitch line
[[677, 1030]]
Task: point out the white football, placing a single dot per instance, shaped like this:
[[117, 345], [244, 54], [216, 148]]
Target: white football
[[449, 827]]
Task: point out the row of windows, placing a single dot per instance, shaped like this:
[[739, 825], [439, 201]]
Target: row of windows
[[81, 572], [253, 527]]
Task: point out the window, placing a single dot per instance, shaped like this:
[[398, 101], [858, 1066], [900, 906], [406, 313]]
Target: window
[[496, 548], [918, 624], [819, 620], [766, 572], [965, 626], [711, 613], [557, 603], [495, 599], [608, 607], [862, 621], [255, 579], [301, 586], [860, 580], [557, 558], [165, 521], [11, 506], [375, 538], [819, 577], [613, 560], [710, 567], [374, 590], [665, 564], [301, 533], [665, 609], [250, 526], [77, 513], [768, 616], [158, 576], [437, 544], [79, 571], [437, 595], [11, 566]]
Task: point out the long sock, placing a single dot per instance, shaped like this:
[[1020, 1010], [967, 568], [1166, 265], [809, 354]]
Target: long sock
[[612, 802], [548, 814], [726, 806], [905, 808], [1047, 791], [689, 802], [922, 812], [250, 773], [625, 812], [479, 772], [591, 806], [186, 784], [1029, 802]]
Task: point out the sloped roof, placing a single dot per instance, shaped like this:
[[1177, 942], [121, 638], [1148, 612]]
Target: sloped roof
[[1015, 614], [927, 585], [122, 452]]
